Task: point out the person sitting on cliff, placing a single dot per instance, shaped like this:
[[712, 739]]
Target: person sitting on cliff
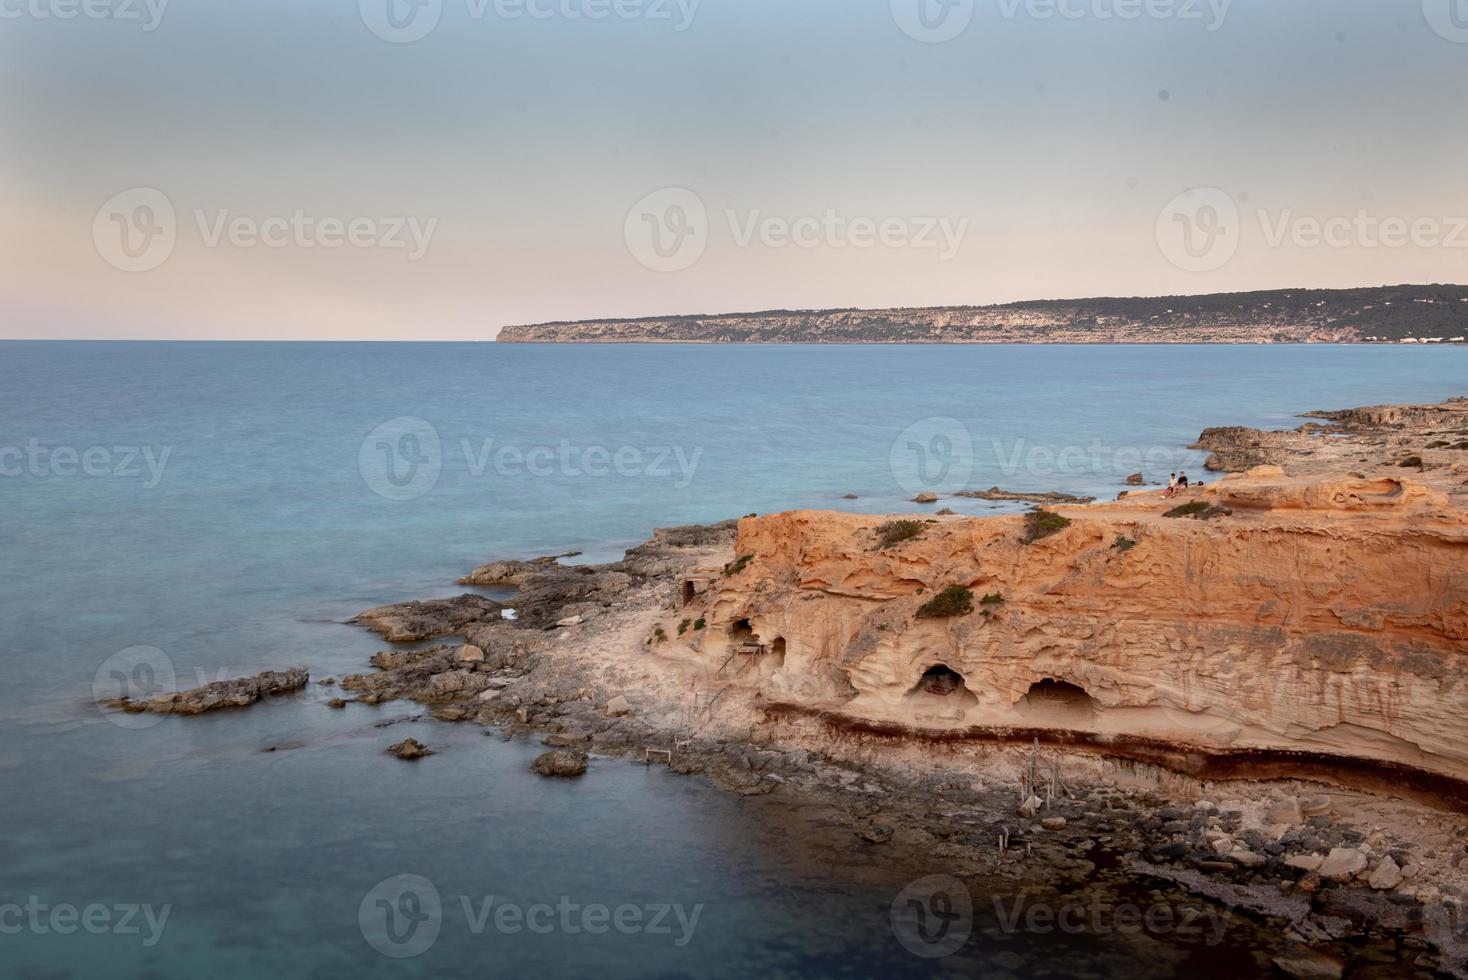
[[1182, 482], [1171, 486]]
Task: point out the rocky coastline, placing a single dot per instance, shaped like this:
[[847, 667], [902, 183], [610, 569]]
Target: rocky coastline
[[1352, 849]]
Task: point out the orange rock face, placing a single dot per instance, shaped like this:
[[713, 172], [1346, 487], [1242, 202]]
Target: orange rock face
[[1326, 616]]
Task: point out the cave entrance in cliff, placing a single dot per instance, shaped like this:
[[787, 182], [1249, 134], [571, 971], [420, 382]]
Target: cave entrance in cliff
[[689, 593], [742, 633], [777, 652], [1057, 702], [941, 690]]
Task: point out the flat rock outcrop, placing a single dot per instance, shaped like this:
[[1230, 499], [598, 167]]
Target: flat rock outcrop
[[239, 693]]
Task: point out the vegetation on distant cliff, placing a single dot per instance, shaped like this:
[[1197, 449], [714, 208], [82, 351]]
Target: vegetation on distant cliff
[[896, 532], [1043, 523], [1387, 313], [735, 567], [952, 601]]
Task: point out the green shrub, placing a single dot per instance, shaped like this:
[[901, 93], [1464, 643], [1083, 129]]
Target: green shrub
[[1043, 523], [896, 532], [699, 624], [735, 567], [992, 599], [1124, 544], [659, 635], [1199, 510], [683, 626], [952, 601]]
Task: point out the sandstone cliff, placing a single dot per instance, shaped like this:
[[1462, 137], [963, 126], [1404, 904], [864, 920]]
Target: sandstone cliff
[[1318, 617]]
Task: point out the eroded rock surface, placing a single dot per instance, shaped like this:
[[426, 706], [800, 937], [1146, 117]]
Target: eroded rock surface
[[238, 693]]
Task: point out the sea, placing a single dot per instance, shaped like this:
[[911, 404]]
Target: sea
[[176, 513]]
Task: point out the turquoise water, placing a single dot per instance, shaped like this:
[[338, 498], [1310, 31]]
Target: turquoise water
[[229, 505]]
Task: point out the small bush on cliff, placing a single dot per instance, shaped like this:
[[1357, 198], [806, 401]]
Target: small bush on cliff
[[1043, 523], [992, 599], [735, 567], [952, 601], [699, 624], [896, 532], [1199, 510], [1124, 544], [683, 626]]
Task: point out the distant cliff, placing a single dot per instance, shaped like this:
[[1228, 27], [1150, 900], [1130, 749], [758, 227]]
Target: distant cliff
[[1390, 313]]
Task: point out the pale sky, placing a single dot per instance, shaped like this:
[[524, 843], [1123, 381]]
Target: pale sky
[[507, 168]]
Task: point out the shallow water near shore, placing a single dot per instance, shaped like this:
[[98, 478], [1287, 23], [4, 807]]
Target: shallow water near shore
[[277, 497]]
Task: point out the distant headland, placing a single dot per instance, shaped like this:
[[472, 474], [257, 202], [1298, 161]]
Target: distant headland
[[1381, 314]]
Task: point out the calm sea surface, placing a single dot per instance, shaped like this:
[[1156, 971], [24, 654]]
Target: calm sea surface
[[212, 510]]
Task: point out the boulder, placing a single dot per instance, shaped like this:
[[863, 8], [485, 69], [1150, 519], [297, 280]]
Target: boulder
[[617, 707], [238, 693], [926, 497], [1285, 811], [1030, 807], [1053, 823], [1342, 863], [1304, 862], [564, 763], [409, 748], [470, 654], [1385, 876], [1305, 963], [1135, 480]]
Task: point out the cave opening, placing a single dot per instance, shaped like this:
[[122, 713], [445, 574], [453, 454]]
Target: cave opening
[[777, 652], [741, 632], [1057, 701], [942, 691], [689, 593]]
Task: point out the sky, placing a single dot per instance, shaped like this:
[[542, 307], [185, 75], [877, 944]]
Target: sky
[[437, 169]]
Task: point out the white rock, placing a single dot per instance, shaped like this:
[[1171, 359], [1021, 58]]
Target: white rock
[[572, 621], [1386, 876], [1223, 846], [1305, 862], [1342, 863], [1247, 858], [1030, 807]]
